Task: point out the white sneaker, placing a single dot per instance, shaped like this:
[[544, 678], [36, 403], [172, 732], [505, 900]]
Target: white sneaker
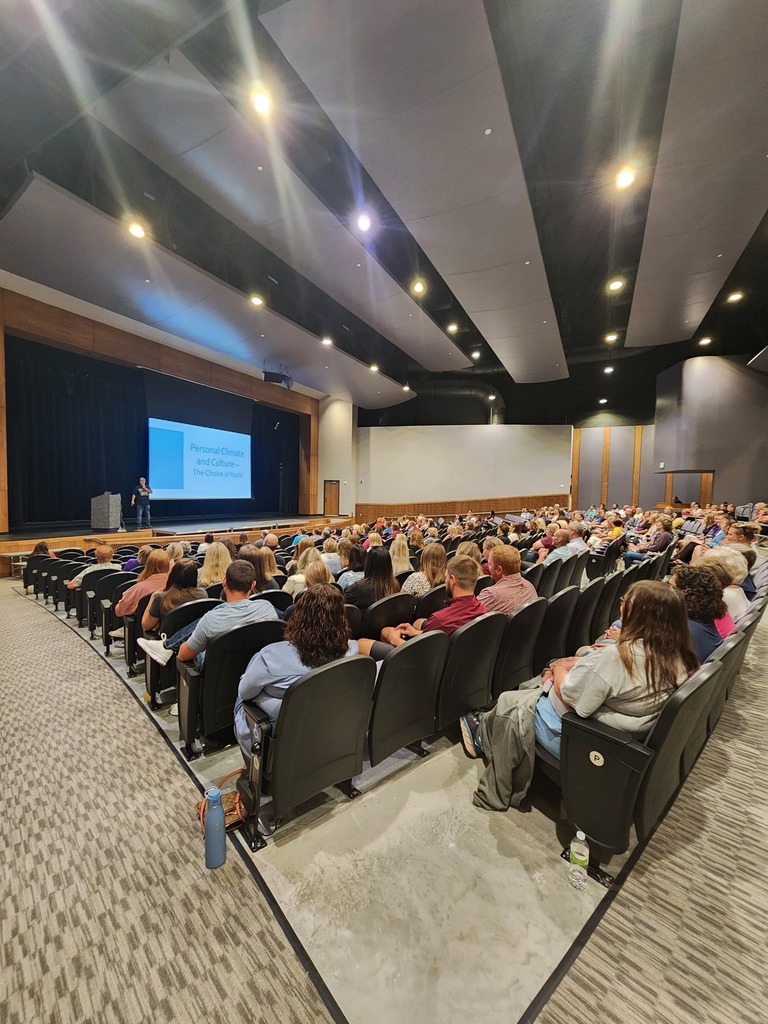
[[156, 650], [174, 711], [118, 634]]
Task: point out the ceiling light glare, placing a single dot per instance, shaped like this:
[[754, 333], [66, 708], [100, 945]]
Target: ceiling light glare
[[488, 131], [603, 401], [705, 341], [136, 229], [374, 368], [615, 285], [327, 341], [625, 177], [261, 101], [406, 387], [613, 336], [418, 287], [452, 328], [608, 369], [257, 300], [491, 398], [735, 297], [364, 222], [475, 355]]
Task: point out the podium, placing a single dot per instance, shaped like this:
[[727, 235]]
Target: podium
[[105, 511]]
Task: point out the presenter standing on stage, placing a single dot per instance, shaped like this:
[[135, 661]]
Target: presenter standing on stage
[[140, 498]]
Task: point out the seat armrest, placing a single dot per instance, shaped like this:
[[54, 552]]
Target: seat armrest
[[106, 604], [188, 669], [255, 714]]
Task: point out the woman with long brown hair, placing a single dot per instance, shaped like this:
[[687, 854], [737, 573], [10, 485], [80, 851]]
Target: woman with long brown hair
[[315, 635], [154, 576], [431, 571], [180, 588]]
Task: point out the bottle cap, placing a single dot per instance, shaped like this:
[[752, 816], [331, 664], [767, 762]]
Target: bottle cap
[[579, 835], [214, 795]]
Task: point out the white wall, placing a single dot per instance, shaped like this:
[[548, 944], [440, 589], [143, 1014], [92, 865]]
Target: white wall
[[448, 463], [335, 452]]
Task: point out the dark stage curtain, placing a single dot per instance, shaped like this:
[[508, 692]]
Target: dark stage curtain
[[76, 427]]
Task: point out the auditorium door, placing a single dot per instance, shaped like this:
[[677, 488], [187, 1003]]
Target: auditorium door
[[330, 497]]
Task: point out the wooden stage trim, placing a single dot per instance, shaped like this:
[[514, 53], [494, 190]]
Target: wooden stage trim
[[366, 513]]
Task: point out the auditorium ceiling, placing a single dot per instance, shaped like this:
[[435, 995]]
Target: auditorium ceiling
[[547, 203]]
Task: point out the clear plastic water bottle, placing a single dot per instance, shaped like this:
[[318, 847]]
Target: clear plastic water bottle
[[215, 830], [579, 861]]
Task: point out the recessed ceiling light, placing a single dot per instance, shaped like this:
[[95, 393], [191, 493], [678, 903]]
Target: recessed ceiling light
[[452, 328], [475, 355], [418, 287], [608, 369], [257, 300], [719, 255], [259, 168], [262, 335], [613, 336], [410, 314], [327, 340], [147, 280], [735, 297], [359, 264], [406, 387], [491, 398], [261, 101], [488, 131], [705, 341], [625, 177], [364, 222], [615, 285], [136, 229], [543, 321], [374, 368], [527, 263], [603, 401]]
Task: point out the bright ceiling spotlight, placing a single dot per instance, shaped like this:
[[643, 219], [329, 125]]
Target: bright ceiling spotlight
[[452, 328], [364, 222], [608, 369], [261, 100], [374, 368], [603, 401], [615, 285], [491, 398], [613, 336], [705, 341], [418, 287], [406, 387], [136, 229], [475, 354], [625, 177], [327, 340], [257, 300], [735, 297]]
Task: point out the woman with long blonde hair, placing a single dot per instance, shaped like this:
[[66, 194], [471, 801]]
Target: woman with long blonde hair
[[398, 552], [217, 558], [431, 572]]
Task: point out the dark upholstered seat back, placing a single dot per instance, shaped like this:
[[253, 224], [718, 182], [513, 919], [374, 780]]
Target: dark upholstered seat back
[[466, 682]]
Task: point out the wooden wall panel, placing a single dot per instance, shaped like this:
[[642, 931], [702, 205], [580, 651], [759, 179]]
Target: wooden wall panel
[[606, 464], [365, 513], [575, 459], [3, 436], [668, 488], [706, 487], [636, 465]]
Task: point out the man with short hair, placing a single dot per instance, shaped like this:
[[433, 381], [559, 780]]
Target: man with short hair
[[559, 550], [509, 591], [190, 643], [576, 542], [104, 560], [140, 501]]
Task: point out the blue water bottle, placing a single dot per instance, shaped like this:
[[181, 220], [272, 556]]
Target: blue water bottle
[[215, 831]]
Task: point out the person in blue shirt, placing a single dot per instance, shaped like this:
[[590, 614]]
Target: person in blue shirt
[[703, 593]]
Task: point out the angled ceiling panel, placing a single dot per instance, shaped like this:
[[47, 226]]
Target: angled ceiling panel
[[418, 93], [96, 261], [172, 114], [710, 187]]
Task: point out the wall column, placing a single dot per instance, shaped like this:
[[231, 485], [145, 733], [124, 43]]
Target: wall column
[[606, 464], [636, 465], [575, 459], [3, 431]]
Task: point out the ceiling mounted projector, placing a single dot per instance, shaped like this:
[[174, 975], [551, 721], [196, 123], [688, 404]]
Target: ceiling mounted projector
[[284, 379]]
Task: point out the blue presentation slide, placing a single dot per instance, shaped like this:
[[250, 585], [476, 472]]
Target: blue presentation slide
[[187, 461]]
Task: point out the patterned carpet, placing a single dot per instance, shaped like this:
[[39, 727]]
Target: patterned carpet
[[109, 914]]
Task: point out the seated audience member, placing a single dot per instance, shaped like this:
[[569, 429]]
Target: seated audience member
[[660, 542], [416, 541], [610, 530], [545, 543], [154, 576], [398, 552], [462, 607], [258, 558], [175, 553], [330, 555], [735, 565], [509, 591], [431, 571], [229, 544], [41, 548], [315, 635], [317, 572], [217, 558], [345, 546], [236, 610], [489, 543], [576, 542], [559, 549], [271, 568], [688, 544], [750, 557], [724, 524], [624, 685], [105, 559], [180, 589], [305, 544], [355, 566], [468, 549], [741, 533], [296, 583], [433, 536], [373, 540], [378, 580], [140, 558], [703, 594], [207, 541]]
